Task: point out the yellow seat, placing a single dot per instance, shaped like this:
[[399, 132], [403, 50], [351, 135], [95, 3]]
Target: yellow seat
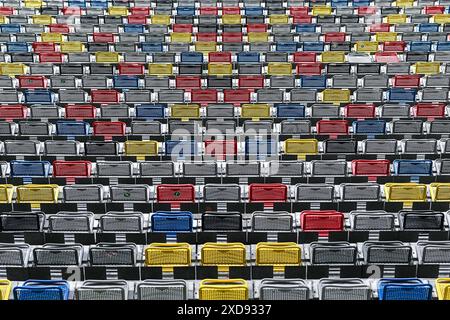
[[220, 69], [278, 19], [107, 57], [278, 254], [5, 289], [386, 36], [441, 18], [336, 95], [223, 289], [301, 146], [279, 69], [185, 111], [141, 148], [321, 11], [405, 3], [427, 67], [443, 288], [33, 3], [255, 110], [51, 37], [2, 19], [160, 69], [42, 19], [231, 19], [160, 19], [168, 254], [6, 193], [37, 193], [258, 37], [12, 69], [440, 192], [396, 18], [333, 56], [71, 46], [181, 37], [205, 46], [223, 254], [366, 46], [405, 192], [117, 11]]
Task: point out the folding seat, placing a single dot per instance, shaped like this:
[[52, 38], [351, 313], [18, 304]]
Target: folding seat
[[343, 289], [442, 287], [59, 82], [396, 111], [386, 252], [113, 254], [156, 169], [285, 168], [328, 168], [6, 190], [423, 109], [325, 110], [332, 253], [23, 221], [129, 193], [439, 126], [433, 252], [290, 110], [71, 222], [407, 127], [419, 146], [138, 57], [162, 289], [104, 96], [126, 82], [141, 148], [283, 289], [333, 127], [42, 290], [100, 148], [115, 221], [344, 81], [314, 192], [83, 193], [301, 146], [360, 110], [404, 289], [270, 192], [278, 254], [61, 147], [360, 192], [372, 220], [439, 191], [193, 169], [340, 146], [166, 193], [17, 111], [222, 193], [168, 255], [223, 254], [243, 169], [21, 147], [13, 255], [322, 221], [223, 289], [109, 128], [102, 290], [421, 220], [23, 168], [58, 255], [72, 128], [222, 221], [370, 127], [71, 69], [9, 96], [413, 167]]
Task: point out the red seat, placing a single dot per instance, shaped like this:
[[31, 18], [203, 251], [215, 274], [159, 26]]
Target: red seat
[[335, 37], [251, 81], [434, 9], [140, 11], [80, 111], [305, 57], [231, 10], [209, 11], [375, 168], [363, 11], [207, 36], [232, 37], [407, 81], [429, 109], [267, 192], [380, 27], [219, 56], [13, 111], [237, 95], [103, 37], [50, 57], [386, 57], [204, 96], [6, 11], [395, 46], [104, 96], [188, 82], [79, 168], [302, 18], [182, 27], [32, 82], [220, 147], [137, 19], [71, 11], [332, 127], [298, 11], [131, 68], [256, 27], [359, 111], [59, 28], [107, 128], [313, 68], [39, 47], [322, 221], [175, 193]]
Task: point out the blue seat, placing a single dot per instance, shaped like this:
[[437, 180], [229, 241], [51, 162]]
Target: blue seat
[[23, 168], [122, 82], [181, 147], [429, 27], [10, 28], [152, 47], [151, 110], [257, 11], [81, 3], [286, 47], [306, 27], [421, 46], [248, 57], [133, 28], [42, 290], [400, 94], [339, 3], [369, 127], [192, 57], [290, 110], [313, 46], [361, 3], [443, 46], [413, 167], [99, 4], [186, 11], [313, 81], [17, 47], [260, 147], [72, 128], [38, 96], [167, 221], [404, 289]]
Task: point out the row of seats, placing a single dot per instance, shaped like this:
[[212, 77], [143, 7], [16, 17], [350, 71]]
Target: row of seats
[[259, 221], [277, 254], [232, 289]]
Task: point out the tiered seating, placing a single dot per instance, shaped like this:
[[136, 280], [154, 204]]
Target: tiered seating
[[233, 149]]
